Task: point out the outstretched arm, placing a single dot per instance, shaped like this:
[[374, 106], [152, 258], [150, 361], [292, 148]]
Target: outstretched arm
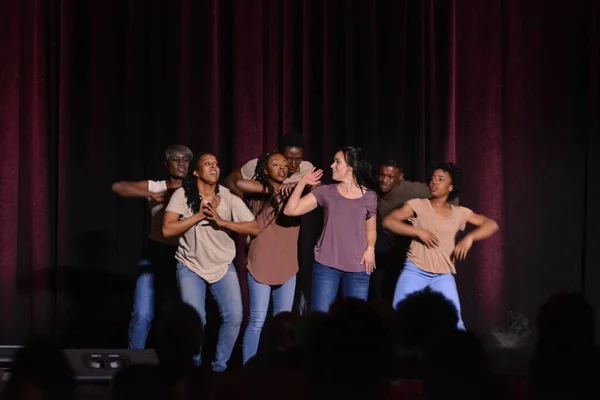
[[395, 222], [231, 182], [486, 227], [299, 205], [247, 186], [135, 189]]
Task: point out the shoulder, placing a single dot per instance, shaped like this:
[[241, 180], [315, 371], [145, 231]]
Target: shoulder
[[251, 163], [306, 166], [417, 204], [371, 195]]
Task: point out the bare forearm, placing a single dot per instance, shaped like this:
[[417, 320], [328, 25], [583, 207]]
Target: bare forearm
[[487, 229], [243, 228], [294, 200], [400, 227], [231, 183], [250, 187], [126, 189], [176, 228], [371, 238]]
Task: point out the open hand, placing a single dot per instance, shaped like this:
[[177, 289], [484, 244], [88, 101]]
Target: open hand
[[368, 260], [463, 247], [210, 210], [428, 238], [313, 177]]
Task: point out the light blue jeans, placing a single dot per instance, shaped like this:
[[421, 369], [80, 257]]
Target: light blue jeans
[[413, 279], [327, 280], [228, 297], [258, 296], [154, 287]]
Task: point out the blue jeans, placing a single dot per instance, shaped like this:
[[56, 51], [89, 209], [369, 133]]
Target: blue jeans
[[327, 280], [228, 297], [155, 286], [258, 296], [413, 279]]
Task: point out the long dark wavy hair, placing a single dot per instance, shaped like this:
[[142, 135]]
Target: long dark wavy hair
[[190, 185], [361, 168], [269, 196]]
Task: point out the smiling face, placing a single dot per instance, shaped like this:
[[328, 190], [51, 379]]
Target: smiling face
[[340, 168], [277, 168], [207, 169], [440, 184], [178, 165], [389, 177]]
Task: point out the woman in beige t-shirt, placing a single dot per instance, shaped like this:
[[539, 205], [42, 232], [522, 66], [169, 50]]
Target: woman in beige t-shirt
[[435, 224], [204, 213]]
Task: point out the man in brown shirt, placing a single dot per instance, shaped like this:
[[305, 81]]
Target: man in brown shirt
[[390, 249]]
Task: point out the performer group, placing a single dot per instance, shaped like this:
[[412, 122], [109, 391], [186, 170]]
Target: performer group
[[383, 235]]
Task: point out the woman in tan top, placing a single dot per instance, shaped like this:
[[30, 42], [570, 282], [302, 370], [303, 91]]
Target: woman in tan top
[[203, 214], [435, 224], [273, 253]]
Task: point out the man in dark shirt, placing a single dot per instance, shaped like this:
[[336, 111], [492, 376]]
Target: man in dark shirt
[[390, 249]]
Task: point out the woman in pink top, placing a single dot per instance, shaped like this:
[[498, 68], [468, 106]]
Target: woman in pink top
[[273, 253], [345, 252], [435, 224]]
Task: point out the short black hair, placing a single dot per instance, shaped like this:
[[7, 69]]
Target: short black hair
[[292, 139], [456, 174], [393, 163]]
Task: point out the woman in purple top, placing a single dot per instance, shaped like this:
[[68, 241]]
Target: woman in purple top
[[344, 254]]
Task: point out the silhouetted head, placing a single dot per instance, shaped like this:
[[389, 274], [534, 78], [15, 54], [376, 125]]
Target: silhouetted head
[[180, 335], [422, 316], [41, 368]]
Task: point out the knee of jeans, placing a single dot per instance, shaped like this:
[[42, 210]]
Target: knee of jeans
[[256, 319], [233, 317]]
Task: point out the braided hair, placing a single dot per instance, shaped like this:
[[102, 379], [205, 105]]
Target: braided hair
[[269, 196], [190, 185]]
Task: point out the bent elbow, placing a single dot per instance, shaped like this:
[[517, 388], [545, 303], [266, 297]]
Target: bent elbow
[[386, 222], [166, 232]]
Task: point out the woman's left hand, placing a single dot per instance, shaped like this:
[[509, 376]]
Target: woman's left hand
[[463, 247], [368, 260], [210, 211]]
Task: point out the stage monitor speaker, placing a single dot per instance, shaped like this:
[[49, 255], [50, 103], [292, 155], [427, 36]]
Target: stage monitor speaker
[[89, 365]]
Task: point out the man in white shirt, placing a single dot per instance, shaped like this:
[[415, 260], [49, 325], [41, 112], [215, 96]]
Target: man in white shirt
[[156, 276], [291, 146]]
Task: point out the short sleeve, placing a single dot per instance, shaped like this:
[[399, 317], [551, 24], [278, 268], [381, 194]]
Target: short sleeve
[[239, 211], [320, 193], [247, 169], [464, 215], [371, 204], [416, 205], [157, 186], [178, 202]]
